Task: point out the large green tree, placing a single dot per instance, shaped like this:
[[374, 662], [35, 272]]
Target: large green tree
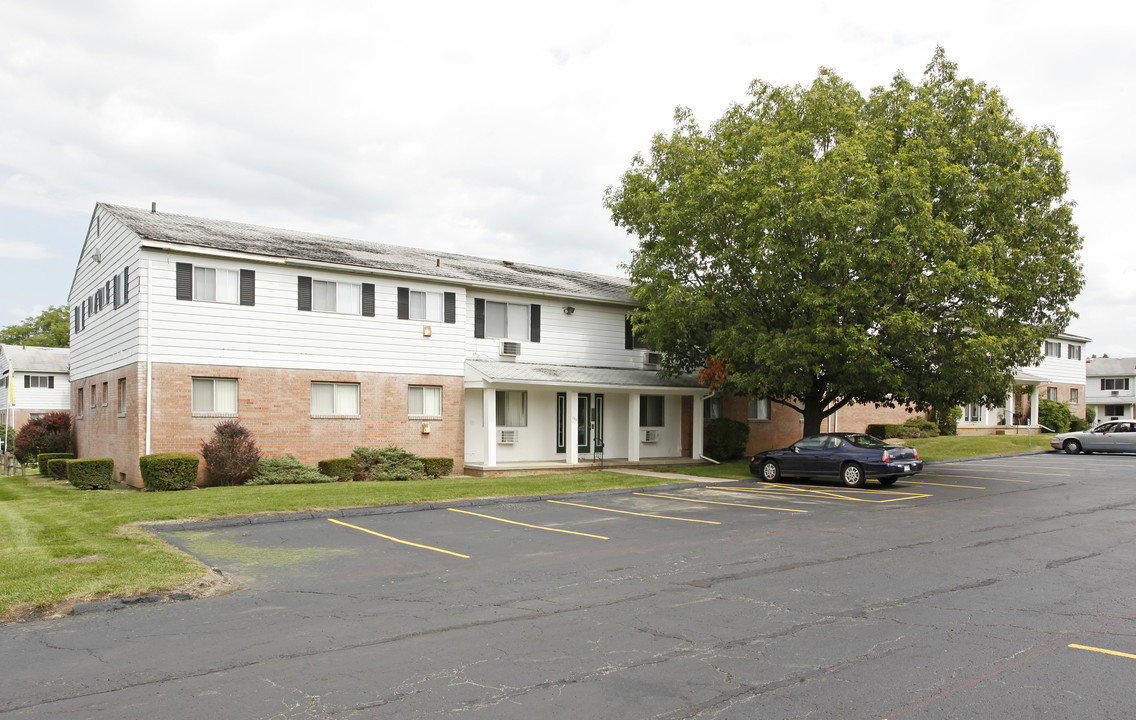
[[51, 328], [818, 247]]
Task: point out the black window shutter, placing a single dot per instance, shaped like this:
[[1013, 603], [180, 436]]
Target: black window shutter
[[449, 307], [184, 281], [78, 314], [628, 335], [304, 293], [369, 299], [403, 303], [50, 382], [27, 381], [125, 284], [534, 323], [248, 287], [479, 318], [116, 291]]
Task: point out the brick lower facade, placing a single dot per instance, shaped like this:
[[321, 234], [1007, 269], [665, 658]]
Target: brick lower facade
[[274, 404]]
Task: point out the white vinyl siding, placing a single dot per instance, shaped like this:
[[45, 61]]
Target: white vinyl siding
[[213, 395], [424, 401], [335, 398]]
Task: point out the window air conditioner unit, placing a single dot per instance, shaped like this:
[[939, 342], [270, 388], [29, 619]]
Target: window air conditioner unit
[[507, 437], [650, 436], [510, 349], [652, 358], [1115, 392]]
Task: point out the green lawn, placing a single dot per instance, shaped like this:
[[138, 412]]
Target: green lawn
[[62, 545]]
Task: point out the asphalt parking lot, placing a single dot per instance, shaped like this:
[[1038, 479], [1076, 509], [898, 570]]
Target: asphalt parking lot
[[998, 587]]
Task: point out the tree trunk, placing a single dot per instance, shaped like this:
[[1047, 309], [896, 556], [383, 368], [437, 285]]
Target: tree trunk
[[814, 414]]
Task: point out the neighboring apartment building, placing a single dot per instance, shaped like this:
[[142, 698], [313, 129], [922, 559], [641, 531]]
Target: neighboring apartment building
[[33, 381], [1059, 376], [1112, 388], [320, 344]]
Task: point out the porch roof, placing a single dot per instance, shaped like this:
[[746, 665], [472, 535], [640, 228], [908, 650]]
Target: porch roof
[[1029, 378], [493, 371]]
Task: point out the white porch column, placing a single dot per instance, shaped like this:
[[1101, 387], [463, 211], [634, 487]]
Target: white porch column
[[489, 420], [698, 431], [633, 427], [572, 445], [1009, 407], [1034, 402]]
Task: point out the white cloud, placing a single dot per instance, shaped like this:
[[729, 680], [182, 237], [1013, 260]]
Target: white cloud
[[17, 250]]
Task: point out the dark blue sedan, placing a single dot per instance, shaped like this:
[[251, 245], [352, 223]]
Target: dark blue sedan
[[852, 457]]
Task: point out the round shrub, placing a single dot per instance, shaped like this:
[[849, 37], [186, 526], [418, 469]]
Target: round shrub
[[230, 455], [90, 473], [389, 463], [726, 439], [342, 469], [1054, 415], [286, 471], [168, 471]]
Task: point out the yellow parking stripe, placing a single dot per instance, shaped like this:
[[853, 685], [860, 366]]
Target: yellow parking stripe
[[394, 539], [1102, 650], [625, 512], [537, 527], [715, 502], [793, 491]]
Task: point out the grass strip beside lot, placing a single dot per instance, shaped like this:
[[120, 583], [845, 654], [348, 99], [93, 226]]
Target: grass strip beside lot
[[60, 545]]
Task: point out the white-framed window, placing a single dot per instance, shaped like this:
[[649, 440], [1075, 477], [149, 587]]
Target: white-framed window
[[512, 408], [1114, 384], [712, 408], [335, 398], [1052, 349], [215, 395], [1114, 410], [106, 394], [1074, 352], [1051, 394], [122, 396], [79, 397], [1074, 396], [758, 410], [39, 381], [651, 410], [341, 297], [426, 306], [216, 285], [424, 401], [509, 321], [971, 413]]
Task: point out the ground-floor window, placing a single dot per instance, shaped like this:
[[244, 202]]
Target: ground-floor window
[[213, 395], [512, 408], [424, 400], [758, 409], [335, 398], [1051, 394], [1114, 410], [651, 410], [972, 413]]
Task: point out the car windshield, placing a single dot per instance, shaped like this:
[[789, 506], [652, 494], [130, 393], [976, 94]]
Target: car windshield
[[866, 441]]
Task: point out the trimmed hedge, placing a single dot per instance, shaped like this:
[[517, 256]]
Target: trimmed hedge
[[43, 459], [342, 469], [168, 471], [57, 468], [913, 428], [91, 473], [438, 466]]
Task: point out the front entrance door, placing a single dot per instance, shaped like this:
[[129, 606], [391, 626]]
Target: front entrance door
[[589, 423], [584, 423]]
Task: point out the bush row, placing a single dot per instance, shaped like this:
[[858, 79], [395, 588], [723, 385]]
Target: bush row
[[916, 427]]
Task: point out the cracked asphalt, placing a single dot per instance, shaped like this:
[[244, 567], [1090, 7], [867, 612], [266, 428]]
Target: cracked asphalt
[[956, 594]]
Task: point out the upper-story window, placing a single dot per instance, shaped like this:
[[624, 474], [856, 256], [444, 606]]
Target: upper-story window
[[39, 381], [1052, 349], [427, 305], [1074, 352], [209, 284], [505, 320], [335, 296], [1114, 384]]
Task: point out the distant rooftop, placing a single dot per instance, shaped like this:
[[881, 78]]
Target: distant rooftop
[[1100, 367], [161, 227], [29, 358]]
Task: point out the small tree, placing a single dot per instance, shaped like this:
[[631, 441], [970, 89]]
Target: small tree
[[1054, 415], [726, 439], [231, 455], [48, 434]]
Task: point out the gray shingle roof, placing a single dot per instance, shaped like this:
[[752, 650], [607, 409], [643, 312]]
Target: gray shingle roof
[[1118, 367], [528, 373], [277, 243], [26, 358]]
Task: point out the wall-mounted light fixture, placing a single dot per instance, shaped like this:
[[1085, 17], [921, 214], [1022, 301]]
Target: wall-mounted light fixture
[[568, 310], [426, 331]]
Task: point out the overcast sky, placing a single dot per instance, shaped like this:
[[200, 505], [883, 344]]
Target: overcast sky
[[492, 128]]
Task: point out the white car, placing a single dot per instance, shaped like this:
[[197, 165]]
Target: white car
[[1116, 436]]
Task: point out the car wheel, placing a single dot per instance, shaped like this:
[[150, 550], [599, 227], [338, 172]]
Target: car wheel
[[770, 471], [885, 481], [852, 475], [1072, 447]]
